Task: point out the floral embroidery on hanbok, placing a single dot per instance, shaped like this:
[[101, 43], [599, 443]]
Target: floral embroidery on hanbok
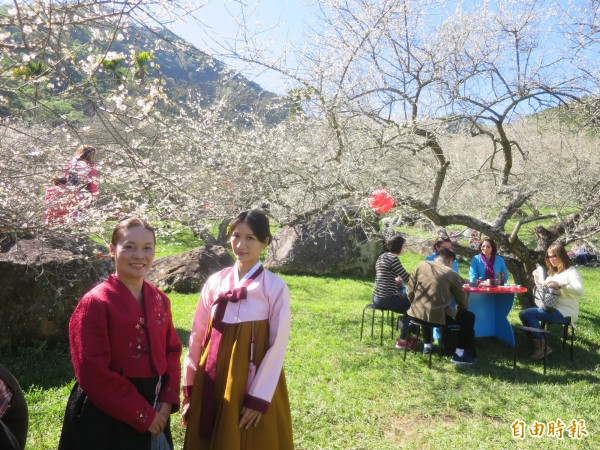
[[159, 311], [139, 345], [141, 415]]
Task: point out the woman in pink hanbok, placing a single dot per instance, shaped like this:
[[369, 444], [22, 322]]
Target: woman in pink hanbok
[[234, 389]]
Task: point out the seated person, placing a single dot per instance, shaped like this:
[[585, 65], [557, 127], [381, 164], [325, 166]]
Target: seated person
[[14, 418], [385, 290], [474, 239], [564, 277], [431, 288], [487, 264], [580, 255], [442, 242], [388, 229], [592, 256]]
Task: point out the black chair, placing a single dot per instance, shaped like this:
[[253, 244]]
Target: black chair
[[545, 329], [417, 323], [530, 330], [565, 335], [373, 308]]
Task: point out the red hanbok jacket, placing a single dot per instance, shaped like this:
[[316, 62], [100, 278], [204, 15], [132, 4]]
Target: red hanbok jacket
[[113, 338]]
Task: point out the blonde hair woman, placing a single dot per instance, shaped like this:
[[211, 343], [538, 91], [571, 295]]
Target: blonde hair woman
[[562, 275]]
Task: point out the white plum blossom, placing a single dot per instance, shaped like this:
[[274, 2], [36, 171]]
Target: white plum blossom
[[395, 98]]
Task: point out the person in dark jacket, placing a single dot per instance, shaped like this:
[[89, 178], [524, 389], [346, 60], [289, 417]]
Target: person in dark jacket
[[14, 417]]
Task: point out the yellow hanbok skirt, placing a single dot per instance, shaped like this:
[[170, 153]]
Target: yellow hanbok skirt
[[274, 430]]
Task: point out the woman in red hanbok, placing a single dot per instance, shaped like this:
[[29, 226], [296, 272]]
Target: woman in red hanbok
[[125, 353]]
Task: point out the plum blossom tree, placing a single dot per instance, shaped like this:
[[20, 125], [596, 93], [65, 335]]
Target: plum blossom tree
[[64, 85], [468, 112], [474, 114]]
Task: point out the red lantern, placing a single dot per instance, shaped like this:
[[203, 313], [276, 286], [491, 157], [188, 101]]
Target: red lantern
[[381, 201]]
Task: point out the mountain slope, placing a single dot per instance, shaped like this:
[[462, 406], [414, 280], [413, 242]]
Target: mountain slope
[[50, 84]]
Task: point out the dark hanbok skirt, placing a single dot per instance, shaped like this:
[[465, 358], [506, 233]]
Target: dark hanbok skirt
[[86, 427]]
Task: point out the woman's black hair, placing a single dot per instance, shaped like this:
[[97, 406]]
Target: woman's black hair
[[394, 244], [439, 241], [258, 223], [446, 255], [126, 224]]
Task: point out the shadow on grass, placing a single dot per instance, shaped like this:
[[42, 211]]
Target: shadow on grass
[[495, 359], [47, 365], [184, 336], [41, 365]]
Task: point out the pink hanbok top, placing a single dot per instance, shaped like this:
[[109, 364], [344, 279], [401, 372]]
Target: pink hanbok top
[[268, 298]]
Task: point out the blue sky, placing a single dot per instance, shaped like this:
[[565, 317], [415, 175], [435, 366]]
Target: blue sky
[[285, 20]]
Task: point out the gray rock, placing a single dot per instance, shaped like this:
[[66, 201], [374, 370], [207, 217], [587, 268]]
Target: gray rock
[[324, 245], [42, 279], [186, 272]]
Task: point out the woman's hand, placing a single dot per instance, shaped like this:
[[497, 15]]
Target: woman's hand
[[249, 417], [158, 424], [163, 411], [164, 408], [185, 406], [553, 284]]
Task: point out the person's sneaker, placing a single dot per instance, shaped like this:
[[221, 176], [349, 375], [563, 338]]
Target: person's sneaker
[[427, 350], [410, 343], [463, 359]]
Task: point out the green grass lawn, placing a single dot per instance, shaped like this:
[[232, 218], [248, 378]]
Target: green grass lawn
[[348, 394]]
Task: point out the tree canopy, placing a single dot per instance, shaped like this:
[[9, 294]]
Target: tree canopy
[[474, 114]]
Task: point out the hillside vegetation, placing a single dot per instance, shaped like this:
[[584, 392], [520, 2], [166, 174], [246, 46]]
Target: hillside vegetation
[[184, 73]]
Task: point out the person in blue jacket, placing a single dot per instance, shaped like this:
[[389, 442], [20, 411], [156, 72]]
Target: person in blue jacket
[[442, 242], [487, 264]]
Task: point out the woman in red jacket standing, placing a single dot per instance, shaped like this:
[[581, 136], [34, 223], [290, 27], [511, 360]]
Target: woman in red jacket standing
[[125, 353]]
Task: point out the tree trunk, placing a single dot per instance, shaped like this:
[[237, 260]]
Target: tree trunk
[[222, 236]]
